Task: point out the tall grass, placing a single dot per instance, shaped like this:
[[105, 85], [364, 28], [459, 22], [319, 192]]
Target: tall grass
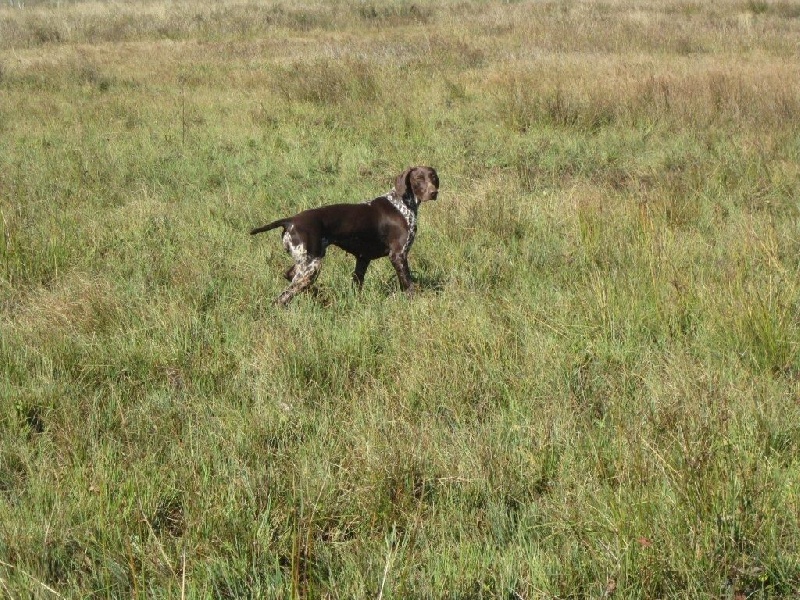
[[594, 393]]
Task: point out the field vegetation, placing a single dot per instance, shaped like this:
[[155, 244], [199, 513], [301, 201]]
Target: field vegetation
[[595, 393]]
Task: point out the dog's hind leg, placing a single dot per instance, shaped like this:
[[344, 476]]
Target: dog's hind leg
[[305, 273], [305, 269], [360, 271]]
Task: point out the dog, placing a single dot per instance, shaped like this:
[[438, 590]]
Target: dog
[[384, 226]]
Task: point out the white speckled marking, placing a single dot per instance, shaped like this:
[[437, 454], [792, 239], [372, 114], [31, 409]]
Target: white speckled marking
[[409, 214], [305, 271]]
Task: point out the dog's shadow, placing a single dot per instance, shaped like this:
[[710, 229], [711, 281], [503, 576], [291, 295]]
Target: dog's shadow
[[429, 282], [423, 283], [382, 285]]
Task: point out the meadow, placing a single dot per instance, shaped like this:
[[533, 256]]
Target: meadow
[[595, 392]]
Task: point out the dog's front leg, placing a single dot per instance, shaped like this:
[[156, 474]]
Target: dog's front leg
[[400, 263]]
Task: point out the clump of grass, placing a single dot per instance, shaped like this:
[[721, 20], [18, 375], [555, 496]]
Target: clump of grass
[[395, 14], [702, 98], [329, 82]]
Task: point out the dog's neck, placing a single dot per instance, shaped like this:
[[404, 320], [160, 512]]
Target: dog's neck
[[408, 208], [408, 203]]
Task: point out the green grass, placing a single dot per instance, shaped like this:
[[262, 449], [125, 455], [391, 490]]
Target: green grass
[[594, 393]]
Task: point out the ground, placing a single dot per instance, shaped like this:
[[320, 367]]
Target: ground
[[594, 393]]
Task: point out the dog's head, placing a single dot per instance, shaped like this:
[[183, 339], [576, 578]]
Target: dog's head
[[420, 182]]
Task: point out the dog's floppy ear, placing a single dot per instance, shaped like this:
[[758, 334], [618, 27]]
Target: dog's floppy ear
[[402, 184]]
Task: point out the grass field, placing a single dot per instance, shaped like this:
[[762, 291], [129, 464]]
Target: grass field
[[595, 393]]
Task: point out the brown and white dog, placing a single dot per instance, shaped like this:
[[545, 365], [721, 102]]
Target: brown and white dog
[[384, 226]]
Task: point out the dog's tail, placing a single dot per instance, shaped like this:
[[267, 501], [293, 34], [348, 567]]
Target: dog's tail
[[267, 227]]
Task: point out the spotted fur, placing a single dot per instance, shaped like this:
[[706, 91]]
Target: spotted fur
[[409, 214]]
